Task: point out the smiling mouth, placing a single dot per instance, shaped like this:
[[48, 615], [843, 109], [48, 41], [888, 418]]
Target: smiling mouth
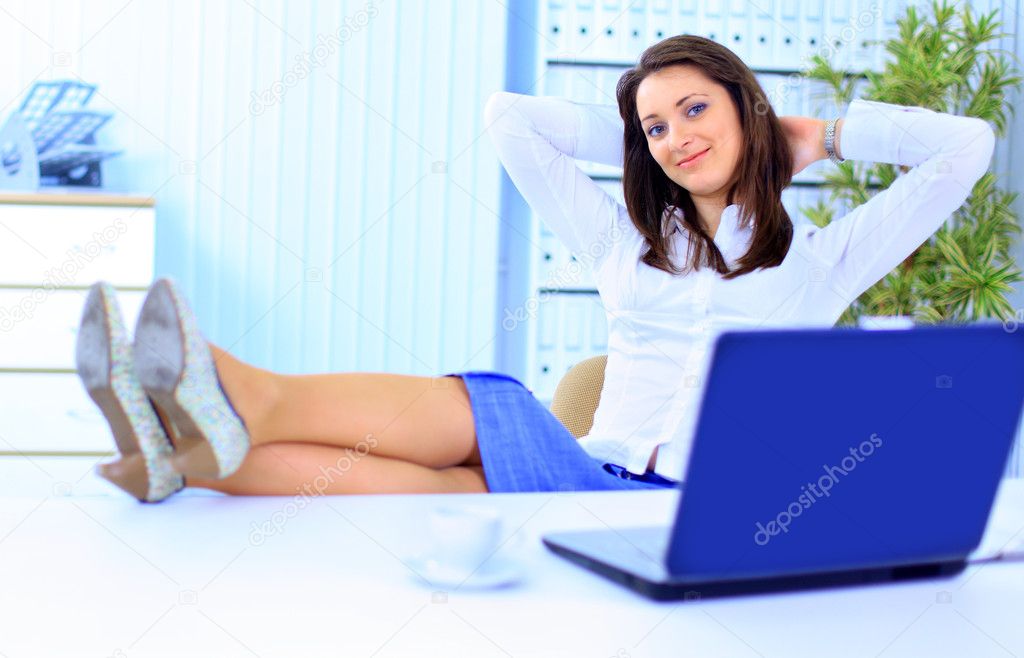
[[693, 158]]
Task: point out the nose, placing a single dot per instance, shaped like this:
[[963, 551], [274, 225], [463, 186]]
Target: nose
[[679, 137]]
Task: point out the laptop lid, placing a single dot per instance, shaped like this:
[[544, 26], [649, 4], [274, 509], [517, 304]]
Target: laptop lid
[[835, 449]]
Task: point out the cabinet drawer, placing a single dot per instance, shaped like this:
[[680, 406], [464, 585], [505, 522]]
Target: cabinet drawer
[[76, 245], [50, 413], [38, 328]]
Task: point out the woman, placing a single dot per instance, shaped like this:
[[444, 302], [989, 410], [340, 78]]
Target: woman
[[702, 245]]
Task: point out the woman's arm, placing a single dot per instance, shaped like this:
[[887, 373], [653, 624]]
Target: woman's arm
[[806, 138], [538, 140], [948, 154]]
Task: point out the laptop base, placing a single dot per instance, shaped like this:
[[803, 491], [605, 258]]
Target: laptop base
[[668, 589]]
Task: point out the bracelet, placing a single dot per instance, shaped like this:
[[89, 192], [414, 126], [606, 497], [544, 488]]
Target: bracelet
[[830, 141]]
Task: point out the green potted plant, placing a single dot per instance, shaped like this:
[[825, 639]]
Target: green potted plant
[[965, 270]]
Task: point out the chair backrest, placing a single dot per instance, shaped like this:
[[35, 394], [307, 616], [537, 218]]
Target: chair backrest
[[577, 394]]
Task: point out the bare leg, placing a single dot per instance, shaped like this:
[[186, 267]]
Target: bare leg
[[427, 421], [283, 469]]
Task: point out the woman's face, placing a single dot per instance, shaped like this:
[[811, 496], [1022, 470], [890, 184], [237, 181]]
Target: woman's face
[[692, 127]]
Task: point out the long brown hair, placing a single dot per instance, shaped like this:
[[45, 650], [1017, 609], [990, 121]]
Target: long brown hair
[[764, 170]]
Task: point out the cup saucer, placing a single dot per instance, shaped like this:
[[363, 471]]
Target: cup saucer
[[497, 571]]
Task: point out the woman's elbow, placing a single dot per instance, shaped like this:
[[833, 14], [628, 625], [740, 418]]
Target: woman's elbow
[[981, 142], [497, 106]]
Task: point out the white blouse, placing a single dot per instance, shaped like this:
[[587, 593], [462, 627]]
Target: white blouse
[[661, 326]]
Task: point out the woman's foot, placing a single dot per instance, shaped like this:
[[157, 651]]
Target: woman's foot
[[104, 363], [176, 369]]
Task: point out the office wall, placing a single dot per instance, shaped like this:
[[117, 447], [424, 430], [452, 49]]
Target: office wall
[[325, 192]]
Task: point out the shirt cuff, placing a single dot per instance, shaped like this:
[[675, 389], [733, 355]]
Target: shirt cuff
[[671, 461]]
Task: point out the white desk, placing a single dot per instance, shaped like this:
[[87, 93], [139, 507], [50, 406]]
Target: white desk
[[98, 574]]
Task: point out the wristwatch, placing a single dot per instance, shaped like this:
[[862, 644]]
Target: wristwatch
[[830, 141]]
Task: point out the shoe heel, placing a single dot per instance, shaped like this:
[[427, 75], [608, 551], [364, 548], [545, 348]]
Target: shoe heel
[[194, 456], [197, 460], [125, 438], [132, 474], [128, 473]]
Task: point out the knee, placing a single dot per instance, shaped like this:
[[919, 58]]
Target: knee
[[467, 479]]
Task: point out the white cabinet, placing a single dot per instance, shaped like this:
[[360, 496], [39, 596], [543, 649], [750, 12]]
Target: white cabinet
[[52, 248], [49, 412], [43, 336]]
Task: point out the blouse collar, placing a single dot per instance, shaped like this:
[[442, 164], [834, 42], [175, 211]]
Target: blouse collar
[[726, 228]]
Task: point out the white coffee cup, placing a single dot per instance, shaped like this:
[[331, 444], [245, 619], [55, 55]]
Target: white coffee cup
[[462, 537]]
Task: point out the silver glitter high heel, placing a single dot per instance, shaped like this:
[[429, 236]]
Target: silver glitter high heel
[[103, 358], [176, 369]]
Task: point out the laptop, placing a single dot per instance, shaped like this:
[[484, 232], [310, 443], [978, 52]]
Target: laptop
[[827, 457]]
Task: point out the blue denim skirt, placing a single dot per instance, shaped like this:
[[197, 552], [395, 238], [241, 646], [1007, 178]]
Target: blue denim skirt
[[523, 446]]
